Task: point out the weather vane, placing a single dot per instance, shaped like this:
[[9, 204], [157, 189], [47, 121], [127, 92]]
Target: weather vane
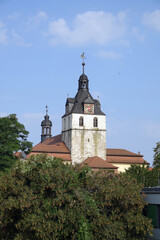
[[46, 110], [83, 57]]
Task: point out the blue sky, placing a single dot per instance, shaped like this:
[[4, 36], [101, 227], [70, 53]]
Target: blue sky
[[40, 47]]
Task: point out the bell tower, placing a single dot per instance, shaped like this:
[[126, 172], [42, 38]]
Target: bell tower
[[46, 127], [84, 124]]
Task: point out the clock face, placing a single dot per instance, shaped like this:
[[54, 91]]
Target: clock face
[[89, 108]]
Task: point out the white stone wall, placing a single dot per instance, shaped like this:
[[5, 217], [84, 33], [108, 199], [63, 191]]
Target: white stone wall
[[84, 141], [88, 121], [66, 123], [66, 138], [66, 130], [87, 143], [122, 167]]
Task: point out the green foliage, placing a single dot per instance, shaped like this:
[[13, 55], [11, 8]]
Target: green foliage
[[13, 137], [156, 161], [83, 233], [143, 175], [44, 199]]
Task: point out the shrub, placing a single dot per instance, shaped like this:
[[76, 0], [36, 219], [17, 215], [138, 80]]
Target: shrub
[[45, 199]]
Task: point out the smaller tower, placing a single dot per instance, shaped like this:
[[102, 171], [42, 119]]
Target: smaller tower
[[46, 127]]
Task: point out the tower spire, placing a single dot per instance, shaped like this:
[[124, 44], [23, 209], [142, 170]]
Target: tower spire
[[83, 80], [83, 63], [46, 125], [46, 109]]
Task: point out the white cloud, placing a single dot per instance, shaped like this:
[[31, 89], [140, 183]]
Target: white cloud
[[136, 33], [14, 16], [8, 36], [41, 16], [91, 27], [34, 21], [109, 55], [152, 20], [18, 40], [3, 34]]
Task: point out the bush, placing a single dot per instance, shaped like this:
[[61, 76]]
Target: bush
[[45, 199]]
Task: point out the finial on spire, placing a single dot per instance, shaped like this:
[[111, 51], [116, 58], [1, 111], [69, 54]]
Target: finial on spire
[[46, 110], [83, 63]]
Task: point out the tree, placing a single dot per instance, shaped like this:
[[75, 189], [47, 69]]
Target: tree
[[143, 175], [45, 199], [13, 137], [138, 172], [156, 157]]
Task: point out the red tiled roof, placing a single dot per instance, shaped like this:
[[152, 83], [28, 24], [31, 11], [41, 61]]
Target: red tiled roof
[[97, 162], [65, 157], [126, 159], [150, 168], [51, 145], [52, 140], [121, 152], [56, 148], [18, 154]]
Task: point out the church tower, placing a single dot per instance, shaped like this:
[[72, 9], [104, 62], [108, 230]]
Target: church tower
[[46, 127], [84, 124]]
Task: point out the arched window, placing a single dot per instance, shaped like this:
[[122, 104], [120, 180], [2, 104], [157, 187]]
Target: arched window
[[47, 130], [44, 131], [95, 122], [68, 122], [81, 121]]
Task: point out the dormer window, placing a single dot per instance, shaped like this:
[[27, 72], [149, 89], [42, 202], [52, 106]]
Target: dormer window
[[81, 121], [95, 122]]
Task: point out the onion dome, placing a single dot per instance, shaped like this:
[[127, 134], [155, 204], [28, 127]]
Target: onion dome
[[46, 121]]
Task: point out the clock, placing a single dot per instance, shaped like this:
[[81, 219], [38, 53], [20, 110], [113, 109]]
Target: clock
[[89, 108]]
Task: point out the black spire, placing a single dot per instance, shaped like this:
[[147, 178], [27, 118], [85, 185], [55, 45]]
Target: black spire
[[83, 96], [83, 79], [46, 127]]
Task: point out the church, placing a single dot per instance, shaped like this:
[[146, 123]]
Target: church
[[83, 136]]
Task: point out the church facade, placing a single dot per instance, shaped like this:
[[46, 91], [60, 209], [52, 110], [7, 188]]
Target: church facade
[[84, 124], [83, 137]]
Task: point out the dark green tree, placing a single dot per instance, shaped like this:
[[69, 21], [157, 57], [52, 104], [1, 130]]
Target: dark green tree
[[13, 137], [44, 199], [144, 176], [138, 172], [156, 157]]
